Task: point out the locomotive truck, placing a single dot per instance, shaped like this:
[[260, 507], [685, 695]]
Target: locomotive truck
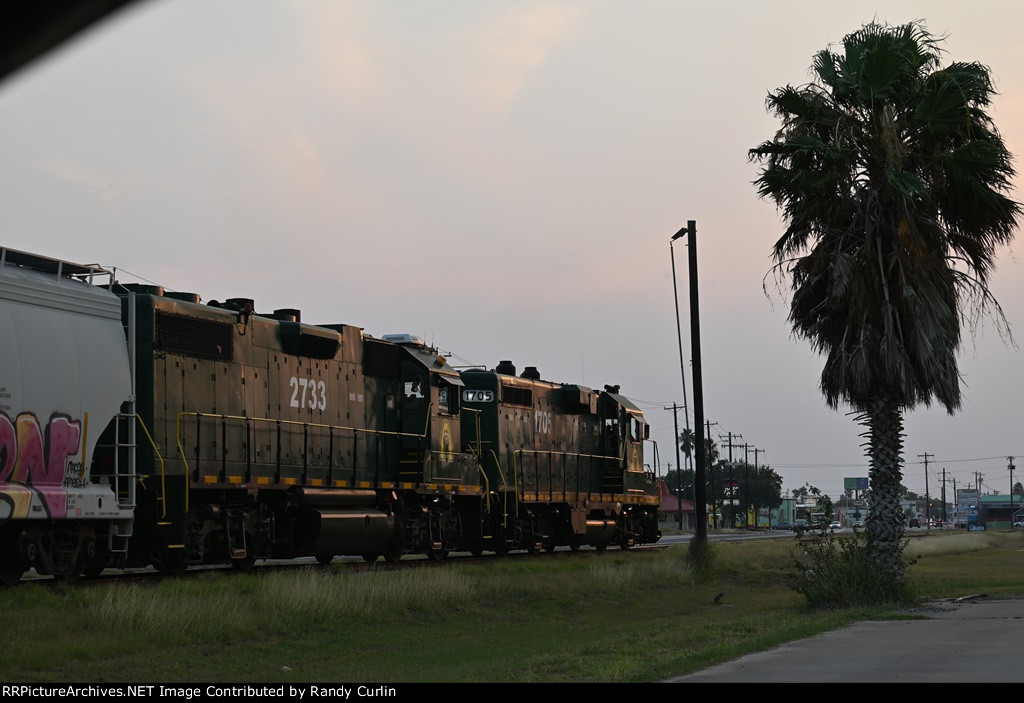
[[140, 426]]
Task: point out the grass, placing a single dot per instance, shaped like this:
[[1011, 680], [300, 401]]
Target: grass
[[612, 617]]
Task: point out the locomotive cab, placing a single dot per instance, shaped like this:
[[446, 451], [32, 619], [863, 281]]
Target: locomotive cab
[[431, 397]]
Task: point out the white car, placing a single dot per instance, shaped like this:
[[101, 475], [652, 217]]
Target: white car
[[834, 525]]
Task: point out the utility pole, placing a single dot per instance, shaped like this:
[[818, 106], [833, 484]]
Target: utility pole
[[745, 494], [732, 489], [756, 452], [711, 474], [927, 500], [944, 493], [1011, 467], [732, 483], [679, 467], [944, 518]]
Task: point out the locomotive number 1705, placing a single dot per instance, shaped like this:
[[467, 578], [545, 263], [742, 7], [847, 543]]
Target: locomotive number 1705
[[474, 396]]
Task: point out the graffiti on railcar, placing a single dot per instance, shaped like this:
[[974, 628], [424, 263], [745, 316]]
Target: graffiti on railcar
[[32, 454]]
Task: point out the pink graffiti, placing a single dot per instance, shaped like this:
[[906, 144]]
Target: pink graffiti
[[24, 455]]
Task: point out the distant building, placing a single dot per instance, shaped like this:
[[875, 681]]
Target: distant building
[[996, 511], [672, 505]]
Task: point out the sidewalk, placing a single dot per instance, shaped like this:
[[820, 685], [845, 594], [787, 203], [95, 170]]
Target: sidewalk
[[971, 640]]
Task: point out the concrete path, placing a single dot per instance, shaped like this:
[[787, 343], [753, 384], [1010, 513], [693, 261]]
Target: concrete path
[[973, 639]]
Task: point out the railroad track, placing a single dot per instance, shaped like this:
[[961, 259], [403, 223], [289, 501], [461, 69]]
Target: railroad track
[[356, 564]]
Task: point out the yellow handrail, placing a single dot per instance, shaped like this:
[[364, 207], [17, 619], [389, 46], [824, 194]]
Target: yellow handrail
[[246, 419], [160, 458]]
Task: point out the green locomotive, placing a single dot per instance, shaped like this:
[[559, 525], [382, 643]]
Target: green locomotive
[[562, 464]]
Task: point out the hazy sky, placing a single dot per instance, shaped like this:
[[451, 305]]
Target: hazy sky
[[500, 178]]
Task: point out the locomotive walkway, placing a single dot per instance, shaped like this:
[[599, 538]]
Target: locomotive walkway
[[971, 640]]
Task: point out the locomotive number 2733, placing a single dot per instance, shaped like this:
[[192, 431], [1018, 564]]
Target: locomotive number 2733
[[308, 393]]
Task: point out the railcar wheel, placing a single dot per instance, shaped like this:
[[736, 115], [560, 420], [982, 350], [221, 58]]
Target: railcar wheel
[[11, 569], [371, 558], [72, 570], [601, 546], [549, 547], [437, 554], [574, 544], [324, 559], [476, 551]]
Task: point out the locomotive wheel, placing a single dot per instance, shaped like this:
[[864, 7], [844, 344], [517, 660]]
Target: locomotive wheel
[[601, 546], [172, 562], [249, 560], [501, 548], [549, 547], [574, 543], [476, 551], [437, 554], [393, 553], [245, 563], [324, 559], [371, 558]]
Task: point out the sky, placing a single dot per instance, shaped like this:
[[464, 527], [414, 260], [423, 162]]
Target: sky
[[502, 179]]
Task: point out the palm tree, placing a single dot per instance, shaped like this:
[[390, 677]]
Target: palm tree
[[892, 181]]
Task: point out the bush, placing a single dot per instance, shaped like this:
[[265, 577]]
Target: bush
[[836, 572]]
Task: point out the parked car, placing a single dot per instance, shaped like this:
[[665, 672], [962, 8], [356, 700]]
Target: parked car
[[858, 525], [1019, 523], [785, 525], [801, 525], [913, 522]]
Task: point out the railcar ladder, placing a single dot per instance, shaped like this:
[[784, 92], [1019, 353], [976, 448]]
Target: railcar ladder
[[123, 477], [125, 430]]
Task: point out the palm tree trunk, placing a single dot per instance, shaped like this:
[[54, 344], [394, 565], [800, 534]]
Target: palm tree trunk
[[884, 524]]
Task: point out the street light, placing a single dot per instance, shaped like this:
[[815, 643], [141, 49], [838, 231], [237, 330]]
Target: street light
[[682, 373], [699, 497]]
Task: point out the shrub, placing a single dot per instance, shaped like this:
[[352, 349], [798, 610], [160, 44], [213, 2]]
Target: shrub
[[836, 572]]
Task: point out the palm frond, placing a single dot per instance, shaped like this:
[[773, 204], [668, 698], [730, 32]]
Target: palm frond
[[893, 183]]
